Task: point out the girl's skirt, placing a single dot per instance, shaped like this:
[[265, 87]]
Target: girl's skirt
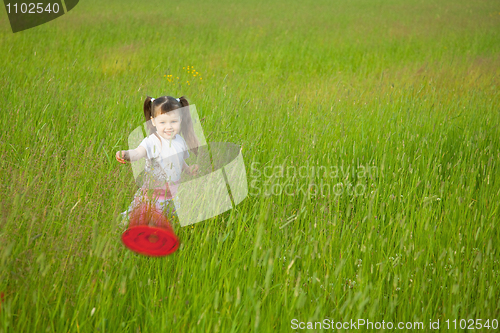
[[163, 201]]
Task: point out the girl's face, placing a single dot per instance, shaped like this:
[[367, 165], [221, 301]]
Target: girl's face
[[168, 125]]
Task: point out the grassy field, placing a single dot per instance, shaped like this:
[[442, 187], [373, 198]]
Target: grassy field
[[396, 103]]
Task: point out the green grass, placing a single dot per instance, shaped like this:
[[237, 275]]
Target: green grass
[[410, 88]]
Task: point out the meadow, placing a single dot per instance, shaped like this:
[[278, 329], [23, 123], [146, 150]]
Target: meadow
[[401, 98]]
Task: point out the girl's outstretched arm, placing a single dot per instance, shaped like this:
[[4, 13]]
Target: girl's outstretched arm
[[131, 155]]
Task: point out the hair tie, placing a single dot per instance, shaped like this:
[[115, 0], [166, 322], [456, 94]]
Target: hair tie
[[152, 99]]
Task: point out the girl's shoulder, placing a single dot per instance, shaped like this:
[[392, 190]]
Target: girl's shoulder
[[181, 143], [152, 145], [151, 139], [180, 139]]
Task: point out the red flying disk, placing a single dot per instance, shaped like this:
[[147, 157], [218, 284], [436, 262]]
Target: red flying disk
[[150, 232]]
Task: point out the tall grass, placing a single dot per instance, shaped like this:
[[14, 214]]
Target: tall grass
[[409, 89]]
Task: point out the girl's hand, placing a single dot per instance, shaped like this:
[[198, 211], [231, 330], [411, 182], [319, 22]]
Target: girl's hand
[[193, 169], [120, 156]]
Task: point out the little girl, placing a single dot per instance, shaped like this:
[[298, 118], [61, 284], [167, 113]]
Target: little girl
[[165, 151]]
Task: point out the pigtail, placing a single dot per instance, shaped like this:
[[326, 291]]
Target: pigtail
[[187, 128], [148, 112], [183, 101]]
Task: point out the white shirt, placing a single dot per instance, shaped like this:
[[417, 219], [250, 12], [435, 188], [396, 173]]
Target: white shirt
[[165, 158]]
